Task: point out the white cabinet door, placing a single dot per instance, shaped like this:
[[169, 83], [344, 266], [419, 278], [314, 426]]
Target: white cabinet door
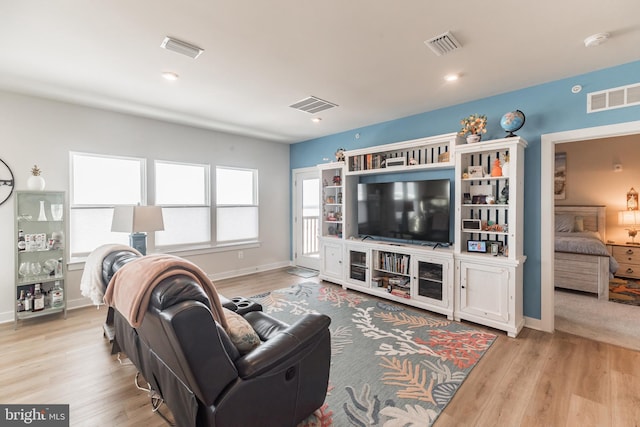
[[331, 266], [484, 291], [358, 264]]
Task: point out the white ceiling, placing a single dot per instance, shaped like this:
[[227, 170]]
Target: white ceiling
[[367, 56]]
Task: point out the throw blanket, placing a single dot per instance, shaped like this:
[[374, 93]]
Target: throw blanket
[[130, 288], [91, 285]]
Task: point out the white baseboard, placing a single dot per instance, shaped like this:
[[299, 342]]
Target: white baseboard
[[531, 323], [7, 316]]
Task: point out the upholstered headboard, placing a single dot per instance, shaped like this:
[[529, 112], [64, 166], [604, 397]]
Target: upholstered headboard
[[594, 217]]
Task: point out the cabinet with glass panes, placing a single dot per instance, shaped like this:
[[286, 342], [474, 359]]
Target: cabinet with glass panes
[[40, 269]]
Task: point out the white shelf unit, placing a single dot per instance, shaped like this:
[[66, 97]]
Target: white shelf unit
[[436, 152], [489, 286], [412, 275], [331, 199]]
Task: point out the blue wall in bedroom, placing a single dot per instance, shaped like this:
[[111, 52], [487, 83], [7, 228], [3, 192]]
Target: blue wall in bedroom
[[550, 107]]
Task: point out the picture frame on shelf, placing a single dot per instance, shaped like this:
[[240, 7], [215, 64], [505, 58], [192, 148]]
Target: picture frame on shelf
[[475, 171], [477, 246]]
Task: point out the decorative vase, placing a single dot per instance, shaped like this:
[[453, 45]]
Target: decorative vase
[[35, 183], [43, 215], [474, 137], [497, 169], [505, 169]]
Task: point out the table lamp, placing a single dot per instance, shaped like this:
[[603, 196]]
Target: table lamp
[[137, 220], [632, 219]]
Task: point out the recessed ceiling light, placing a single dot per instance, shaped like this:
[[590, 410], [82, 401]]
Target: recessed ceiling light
[[171, 76], [452, 77], [316, 119], [596, 39]]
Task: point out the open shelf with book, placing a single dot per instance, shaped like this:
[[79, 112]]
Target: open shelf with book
[[418, 154]]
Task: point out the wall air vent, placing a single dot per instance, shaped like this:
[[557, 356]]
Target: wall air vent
[[181, 47], [443, 44], [313, 105], [617, 97]]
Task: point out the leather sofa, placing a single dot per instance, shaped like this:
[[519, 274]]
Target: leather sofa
[[191, 364]]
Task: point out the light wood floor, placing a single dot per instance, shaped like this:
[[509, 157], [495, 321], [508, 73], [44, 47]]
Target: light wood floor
[[538, 379]]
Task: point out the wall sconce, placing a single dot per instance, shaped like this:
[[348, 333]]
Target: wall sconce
[[137, 220], [632, 219]]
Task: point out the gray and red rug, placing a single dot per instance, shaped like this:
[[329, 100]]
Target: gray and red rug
[[391, 364], [625, 291]]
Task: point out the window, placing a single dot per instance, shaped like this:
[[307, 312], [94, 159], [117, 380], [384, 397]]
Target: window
[[183, 192], [236, 204], [98, 183]]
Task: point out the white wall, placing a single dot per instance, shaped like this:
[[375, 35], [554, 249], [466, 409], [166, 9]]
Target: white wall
[[591, 179], [42, 132]]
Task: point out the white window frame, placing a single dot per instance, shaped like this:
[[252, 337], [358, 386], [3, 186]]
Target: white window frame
[[205, 204], [107, 206], [254, 205]]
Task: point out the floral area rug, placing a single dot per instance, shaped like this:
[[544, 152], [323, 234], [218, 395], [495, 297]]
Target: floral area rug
[[625, 291], [391, 365]]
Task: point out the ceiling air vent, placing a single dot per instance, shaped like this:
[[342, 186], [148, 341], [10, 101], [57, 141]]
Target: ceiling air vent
[[313, 105], [443, 44], [181, 47], [617, 97]]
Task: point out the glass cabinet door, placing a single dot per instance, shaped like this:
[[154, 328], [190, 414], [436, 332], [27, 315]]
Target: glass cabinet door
[[430, 280], [358, 270]]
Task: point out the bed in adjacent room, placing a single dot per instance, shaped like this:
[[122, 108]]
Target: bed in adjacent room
[[582, 261]]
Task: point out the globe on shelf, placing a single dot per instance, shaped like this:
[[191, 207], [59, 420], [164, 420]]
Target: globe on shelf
[[512, 121]]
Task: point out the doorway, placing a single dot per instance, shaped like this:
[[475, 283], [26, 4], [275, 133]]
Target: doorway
[[306, 217], [547, 203]]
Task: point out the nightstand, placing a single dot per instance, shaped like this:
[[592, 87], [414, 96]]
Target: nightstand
[[628, 257]]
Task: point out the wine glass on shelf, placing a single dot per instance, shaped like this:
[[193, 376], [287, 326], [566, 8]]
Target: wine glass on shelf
[[56, 211], [35, 269], [23, 270]]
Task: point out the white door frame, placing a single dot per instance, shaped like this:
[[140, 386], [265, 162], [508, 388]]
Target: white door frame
[[547, 203], [295, 175]]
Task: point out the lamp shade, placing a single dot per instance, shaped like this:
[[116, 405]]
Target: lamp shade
[[137, 219], [629, 217]]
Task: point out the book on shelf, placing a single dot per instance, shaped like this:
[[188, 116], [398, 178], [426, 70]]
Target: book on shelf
[[400, 293]]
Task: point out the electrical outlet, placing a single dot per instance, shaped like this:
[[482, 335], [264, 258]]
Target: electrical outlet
[[240, 254]]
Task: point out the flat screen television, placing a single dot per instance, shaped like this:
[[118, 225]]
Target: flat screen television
[[405, 211]]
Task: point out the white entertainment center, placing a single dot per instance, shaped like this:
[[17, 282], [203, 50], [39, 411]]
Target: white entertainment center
[[463, 280]]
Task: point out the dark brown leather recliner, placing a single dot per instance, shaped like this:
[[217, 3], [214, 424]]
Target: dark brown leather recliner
[[190, 362]]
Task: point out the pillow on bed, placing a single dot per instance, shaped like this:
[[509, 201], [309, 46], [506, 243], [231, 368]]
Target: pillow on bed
[[564, 222], [578, 224]]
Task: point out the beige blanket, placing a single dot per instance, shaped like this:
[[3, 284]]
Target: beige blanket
[[130, 289]]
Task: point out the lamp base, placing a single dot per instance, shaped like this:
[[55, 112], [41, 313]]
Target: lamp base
[[138, 241]]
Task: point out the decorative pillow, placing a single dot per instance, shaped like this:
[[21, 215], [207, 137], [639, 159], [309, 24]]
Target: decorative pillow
[[240, 332], [578, 224], [564, 222]]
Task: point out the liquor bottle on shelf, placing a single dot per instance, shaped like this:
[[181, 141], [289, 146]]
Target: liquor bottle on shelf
[[22, 244], [20, 302], [38, 299], [28, 301], [57, 295], [58, 270]]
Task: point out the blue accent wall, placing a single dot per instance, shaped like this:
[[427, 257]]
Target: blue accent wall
[[549, 108]]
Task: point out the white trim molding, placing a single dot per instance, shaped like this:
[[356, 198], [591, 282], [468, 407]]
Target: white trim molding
[[547, 160]]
